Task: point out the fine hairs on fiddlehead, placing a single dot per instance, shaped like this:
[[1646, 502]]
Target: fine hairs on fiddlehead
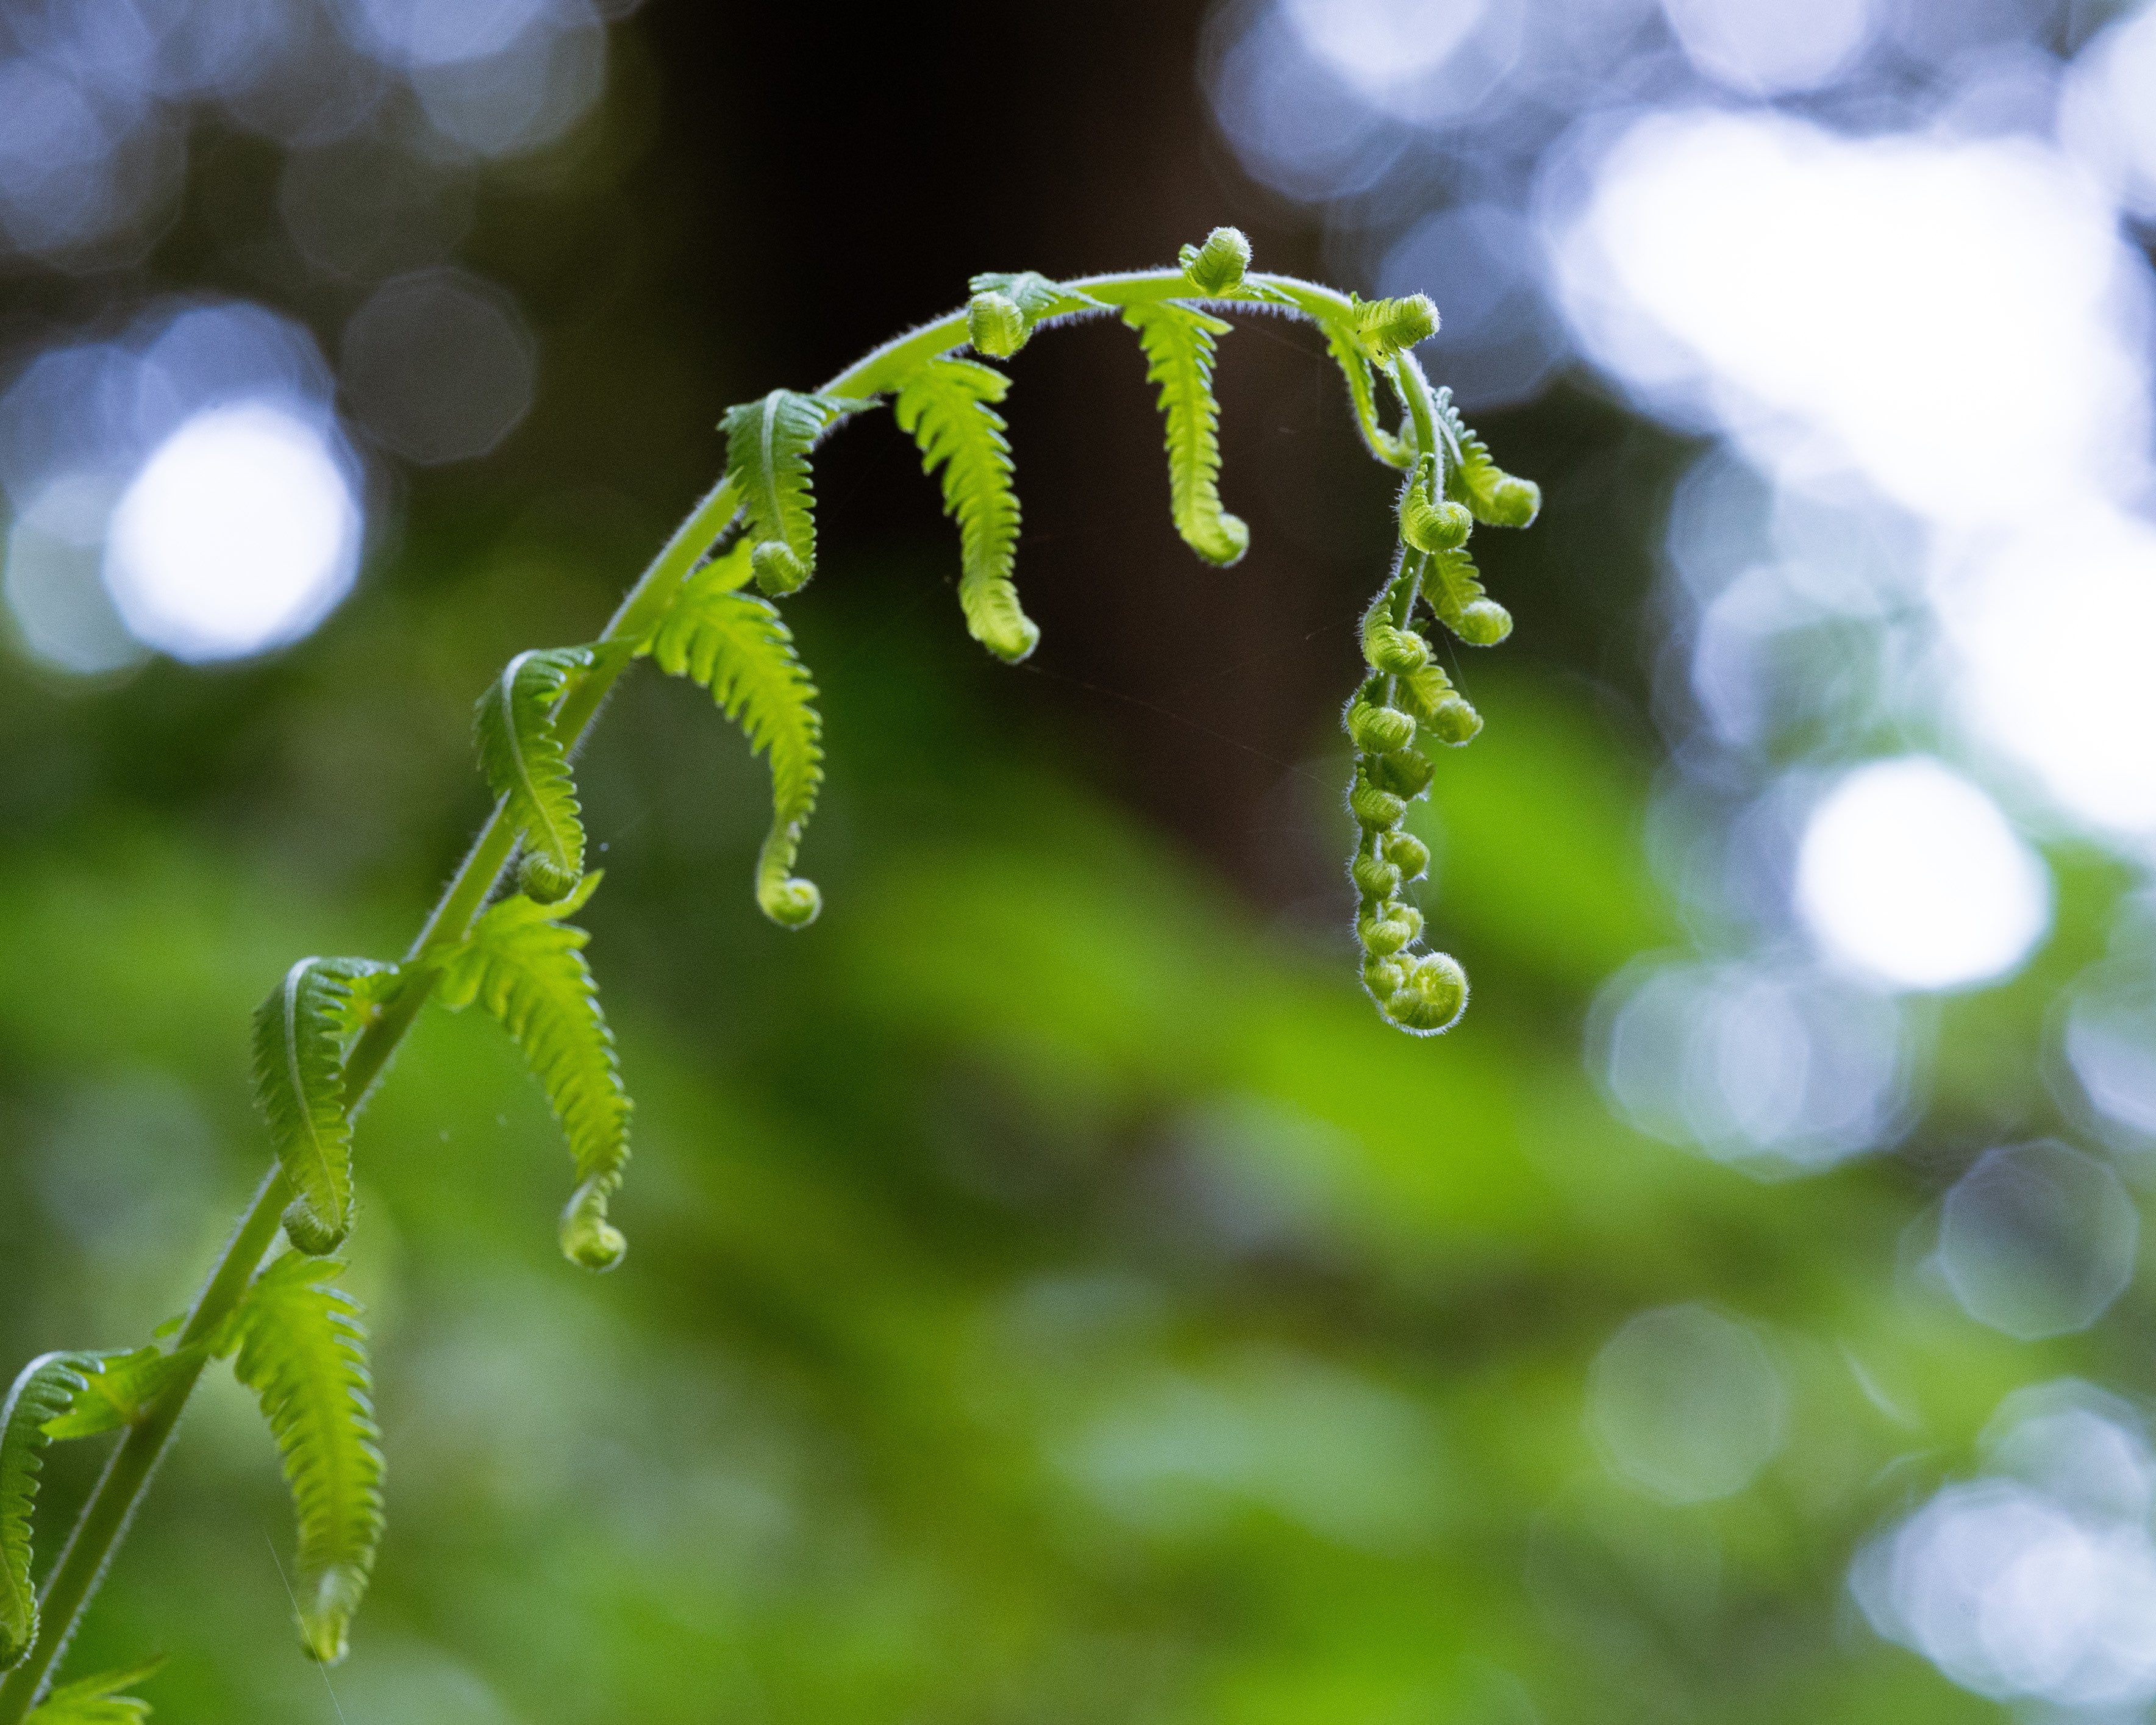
[[706, 610]]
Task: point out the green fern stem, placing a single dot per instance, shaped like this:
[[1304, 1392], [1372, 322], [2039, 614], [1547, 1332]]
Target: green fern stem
[[103, 1522]]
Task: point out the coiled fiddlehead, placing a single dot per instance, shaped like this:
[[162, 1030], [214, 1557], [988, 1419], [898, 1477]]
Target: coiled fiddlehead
[[326, 1031]]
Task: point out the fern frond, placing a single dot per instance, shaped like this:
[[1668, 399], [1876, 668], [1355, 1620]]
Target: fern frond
[[303, 1353], [946, 407], [1494, 496], [526, 764], [1179, 343], [768, 444], [734, 644], [121, 1394], [1345, 346], [43, 1391], [527, 969], [97, 1701], [301, 1032]]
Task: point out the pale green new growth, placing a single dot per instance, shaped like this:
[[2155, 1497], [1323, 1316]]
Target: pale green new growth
[[945, 408], [1347, 352], [1178, 348], [527, 967], [300, 1036], [1496, 498], [768, 448], [304, 1354], [1036, 298], [43, 1391], [97, 1701], [118, 1395], [328, 1029], [734, 644], [524, 761]]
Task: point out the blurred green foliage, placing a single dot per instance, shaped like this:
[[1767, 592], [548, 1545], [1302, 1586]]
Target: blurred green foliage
[[1053, 1294]]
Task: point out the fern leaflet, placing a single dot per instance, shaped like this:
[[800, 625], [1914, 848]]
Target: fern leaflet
[[1494, 496], [947, 407], [301, 1032], [303, 1353], [43, 1391], [1036, 297], [768, 448], [1347, 353], [527, 969], [734, 644], [526, 765], [1179, 343], [97, 1701], [121, 1394]]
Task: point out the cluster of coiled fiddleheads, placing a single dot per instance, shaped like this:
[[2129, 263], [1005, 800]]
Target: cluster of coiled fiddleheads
[[705, 610]]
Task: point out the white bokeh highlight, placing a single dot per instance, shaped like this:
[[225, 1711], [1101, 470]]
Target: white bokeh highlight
[[1909, 875], [239, 534], [2037, 1582]]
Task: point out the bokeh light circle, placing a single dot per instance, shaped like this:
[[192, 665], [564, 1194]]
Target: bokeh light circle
[[1909, 874], [239, 533]]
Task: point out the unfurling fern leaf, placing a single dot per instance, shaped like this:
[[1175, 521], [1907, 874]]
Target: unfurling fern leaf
[[1496, 498], [945, 408], [121, 1394], [767, 447], [303, 1353], [1033, 296], [300, 1036], [525, 763], [527, 969], [97, 1701], [1178, 348], [734, 644], [45, 1391], [1455, 595]]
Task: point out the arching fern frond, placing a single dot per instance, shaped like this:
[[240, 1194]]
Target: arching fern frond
[[303, 1353], [43, 1391], [527, 967], [526, 765], [301, 1032], [1179, 343], [97, 1701], [734, 644], [946, 407], [768, 448], [1496, 498]]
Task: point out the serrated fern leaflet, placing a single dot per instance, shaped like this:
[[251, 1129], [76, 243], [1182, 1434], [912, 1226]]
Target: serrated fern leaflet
[[1346, 347], [768, 448], [45, 1391], [527, 969], [304, 1354], [1496, 498], [527, 767], [121, 1393], [945, 408], [1178, 345], [299, 1035], [97, 1701], [734, 644]]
